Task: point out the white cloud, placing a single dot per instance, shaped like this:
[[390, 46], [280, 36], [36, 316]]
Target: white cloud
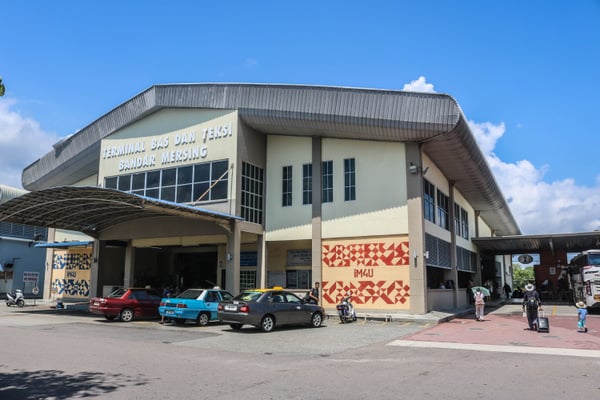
[[420, 85], [22, 141], [538, 206]]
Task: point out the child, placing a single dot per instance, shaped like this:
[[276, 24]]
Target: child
[[479, 304], [582, 313]]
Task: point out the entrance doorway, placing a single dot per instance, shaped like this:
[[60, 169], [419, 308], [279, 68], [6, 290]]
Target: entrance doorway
[[196, 270]]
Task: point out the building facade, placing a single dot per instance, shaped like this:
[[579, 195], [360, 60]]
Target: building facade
[[374, 192]]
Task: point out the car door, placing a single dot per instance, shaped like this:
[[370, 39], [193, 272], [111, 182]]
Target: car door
[[147, 303], [298, 312], [211, 302], [282, 310]]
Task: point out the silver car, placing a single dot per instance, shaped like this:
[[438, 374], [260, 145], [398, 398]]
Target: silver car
[[268, 308]]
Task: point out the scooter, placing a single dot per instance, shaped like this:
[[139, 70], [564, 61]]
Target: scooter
[[346, 310], [15, 298]]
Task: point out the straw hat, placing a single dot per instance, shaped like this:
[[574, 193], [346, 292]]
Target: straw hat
[[580, 304], [529, 287]]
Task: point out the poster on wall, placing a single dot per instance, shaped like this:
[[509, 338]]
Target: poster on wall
[[71, 273], [375, 271]]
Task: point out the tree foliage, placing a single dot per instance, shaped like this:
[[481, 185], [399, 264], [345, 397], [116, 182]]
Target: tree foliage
[[521, 276], [2, 88]]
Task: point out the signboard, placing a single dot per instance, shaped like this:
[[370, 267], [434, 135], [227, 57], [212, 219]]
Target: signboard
[[29, 276], [248, 259], [525, 259], [300, 257]]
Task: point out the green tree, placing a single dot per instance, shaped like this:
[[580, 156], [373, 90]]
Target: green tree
[[2, 88], [521, 276]]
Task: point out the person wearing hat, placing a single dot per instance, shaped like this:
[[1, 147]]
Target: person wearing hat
[[531, 304], [582, 314]]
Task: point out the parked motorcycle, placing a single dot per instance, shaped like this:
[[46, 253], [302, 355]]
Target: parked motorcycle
[[346, 310], [15, 298]]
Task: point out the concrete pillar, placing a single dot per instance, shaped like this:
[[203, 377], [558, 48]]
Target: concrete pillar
[[316, 248], [261, 260], [129, 266], [416, 231], [232, 259]]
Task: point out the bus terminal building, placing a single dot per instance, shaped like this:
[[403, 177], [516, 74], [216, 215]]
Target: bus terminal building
[[382, 193]]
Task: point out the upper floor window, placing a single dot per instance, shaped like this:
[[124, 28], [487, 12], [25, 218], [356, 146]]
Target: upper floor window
[[187, 184], [443, 208], [286, 189], [252, 193], [464, 223], [307, 184], [428, 200], [349, 179], [327, 192]]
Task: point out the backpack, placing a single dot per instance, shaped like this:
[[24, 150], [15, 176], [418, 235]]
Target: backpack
[[532, 301]]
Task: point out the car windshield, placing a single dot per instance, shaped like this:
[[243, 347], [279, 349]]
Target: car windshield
[[248, 296], [118, 293], [191, 294]]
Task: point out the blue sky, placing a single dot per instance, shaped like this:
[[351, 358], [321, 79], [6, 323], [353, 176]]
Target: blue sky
[[525, 73]]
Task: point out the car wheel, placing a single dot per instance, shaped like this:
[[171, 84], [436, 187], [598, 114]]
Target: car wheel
[[110, 317], [236, 327], [126, 315], [267, 324], [316, 320], [203, 319]]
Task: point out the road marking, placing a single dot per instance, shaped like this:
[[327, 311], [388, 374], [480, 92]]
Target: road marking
[[496, 348]]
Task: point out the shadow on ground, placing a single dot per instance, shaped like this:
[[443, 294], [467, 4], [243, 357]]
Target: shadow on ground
[[54, 384]]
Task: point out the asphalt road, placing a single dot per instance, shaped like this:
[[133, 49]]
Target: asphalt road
[[53, 355]]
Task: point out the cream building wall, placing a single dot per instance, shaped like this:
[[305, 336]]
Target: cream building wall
[[293, 222], [173, 138], [380, 207]]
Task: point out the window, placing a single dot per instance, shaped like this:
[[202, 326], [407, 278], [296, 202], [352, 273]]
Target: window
[[286, 187], [298, 278], [247, 279], [252, 193], [349, 179], [327, 182], [188, 184], [428, 200], [457, 225], [307, 184], [464, 223], [443, 207]]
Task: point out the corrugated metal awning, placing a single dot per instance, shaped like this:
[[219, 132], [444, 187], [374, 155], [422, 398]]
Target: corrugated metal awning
[[92, 209]]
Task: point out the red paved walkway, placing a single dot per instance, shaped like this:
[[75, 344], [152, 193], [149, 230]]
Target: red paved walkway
[[506, 329]]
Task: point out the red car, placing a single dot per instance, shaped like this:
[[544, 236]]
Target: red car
[[127, 304]]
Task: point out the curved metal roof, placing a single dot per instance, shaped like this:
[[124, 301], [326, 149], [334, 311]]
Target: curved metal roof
[[434, 120], [570, 242], [91, 210], [8, 192]]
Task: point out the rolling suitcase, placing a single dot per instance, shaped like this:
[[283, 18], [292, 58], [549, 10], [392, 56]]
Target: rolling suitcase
[[543, 326]]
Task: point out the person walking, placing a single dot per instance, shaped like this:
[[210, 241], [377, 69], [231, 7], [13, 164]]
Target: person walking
[[479, 304], [313, 295], [582, 315], [531, 304]]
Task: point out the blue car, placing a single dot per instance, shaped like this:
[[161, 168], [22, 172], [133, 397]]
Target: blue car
[[198, 305]]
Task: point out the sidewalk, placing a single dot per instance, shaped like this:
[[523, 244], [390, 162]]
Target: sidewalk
[[506, 326]]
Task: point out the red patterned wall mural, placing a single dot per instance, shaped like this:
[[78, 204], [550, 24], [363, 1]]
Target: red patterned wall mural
[[376, 271]]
